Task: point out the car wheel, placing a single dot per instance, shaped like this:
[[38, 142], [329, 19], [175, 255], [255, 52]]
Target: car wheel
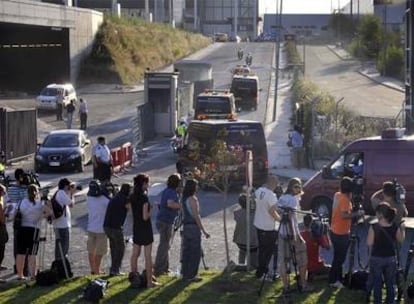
[[322, 206], [81, 166], [38, 169]]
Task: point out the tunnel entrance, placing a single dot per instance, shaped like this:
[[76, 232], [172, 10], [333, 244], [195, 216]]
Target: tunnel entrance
[[33, 56]]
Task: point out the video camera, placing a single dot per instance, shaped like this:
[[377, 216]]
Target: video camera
[[399, 192], [357, 193], [319, 227]]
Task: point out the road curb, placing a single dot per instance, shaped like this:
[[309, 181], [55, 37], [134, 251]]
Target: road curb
[[394, 87]]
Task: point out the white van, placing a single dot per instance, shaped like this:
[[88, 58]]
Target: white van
[[48, 97]]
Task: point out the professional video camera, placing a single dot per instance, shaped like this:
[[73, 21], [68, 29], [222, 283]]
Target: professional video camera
[[319, 227], [29, 178], [399, 192], [357, 193]]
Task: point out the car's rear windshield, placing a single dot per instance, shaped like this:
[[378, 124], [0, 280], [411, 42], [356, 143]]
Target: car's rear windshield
[[239, 136], [49, 92], [213, 105], [61, 141], [244, 86]]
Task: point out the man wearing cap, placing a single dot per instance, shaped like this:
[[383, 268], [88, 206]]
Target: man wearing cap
[[65, 197], [102, 160]]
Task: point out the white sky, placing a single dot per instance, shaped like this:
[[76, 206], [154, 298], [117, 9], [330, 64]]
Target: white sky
[[301, 6]]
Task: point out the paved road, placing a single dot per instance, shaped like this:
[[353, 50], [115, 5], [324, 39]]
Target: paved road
[[340, 78]]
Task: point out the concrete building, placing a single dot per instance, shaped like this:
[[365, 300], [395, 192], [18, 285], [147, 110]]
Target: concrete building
[[162, 11], [42, 43], [222, 16], [299, 24], [358, 8]]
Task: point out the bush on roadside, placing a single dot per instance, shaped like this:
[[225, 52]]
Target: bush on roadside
[[390, 62]]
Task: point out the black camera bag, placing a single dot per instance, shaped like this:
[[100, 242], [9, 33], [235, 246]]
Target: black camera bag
[[58, 266], [47, 277], [95, 290]]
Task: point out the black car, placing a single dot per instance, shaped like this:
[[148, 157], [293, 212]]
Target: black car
[[64, 149]]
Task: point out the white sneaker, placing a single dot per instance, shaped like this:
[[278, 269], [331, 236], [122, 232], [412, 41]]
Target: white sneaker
[[337, 284]]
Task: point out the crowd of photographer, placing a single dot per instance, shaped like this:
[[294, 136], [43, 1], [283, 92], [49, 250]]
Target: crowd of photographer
[[107, 208], [274, 229], [276, 226]]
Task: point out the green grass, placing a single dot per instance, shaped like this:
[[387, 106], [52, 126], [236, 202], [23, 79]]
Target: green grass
[[125, 47], [215, 288]]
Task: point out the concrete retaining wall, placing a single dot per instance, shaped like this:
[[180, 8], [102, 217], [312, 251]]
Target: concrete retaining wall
[[82, 23]]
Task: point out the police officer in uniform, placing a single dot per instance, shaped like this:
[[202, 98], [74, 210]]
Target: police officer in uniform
[[102, 161]]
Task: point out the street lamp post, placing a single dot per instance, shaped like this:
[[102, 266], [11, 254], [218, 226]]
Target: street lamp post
[[278, 33], [336, 118]]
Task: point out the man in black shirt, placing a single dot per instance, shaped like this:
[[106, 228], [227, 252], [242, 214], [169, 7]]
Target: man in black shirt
[[113, 226]]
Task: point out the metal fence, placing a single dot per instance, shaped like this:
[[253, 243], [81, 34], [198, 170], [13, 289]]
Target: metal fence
[[143, 129], [18, 133]]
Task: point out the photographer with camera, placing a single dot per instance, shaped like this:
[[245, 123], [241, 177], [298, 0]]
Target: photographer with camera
[[64, 196], [97, 200], [32, 210], [16, 192], [292, 247], [315, 234], [266, 220], [394, 194], [342, 215]]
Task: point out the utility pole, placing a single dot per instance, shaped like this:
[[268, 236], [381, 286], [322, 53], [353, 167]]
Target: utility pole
[[195, 16], [409, 65], [278, 33], [147, 18], [339, 21], [236, 8]]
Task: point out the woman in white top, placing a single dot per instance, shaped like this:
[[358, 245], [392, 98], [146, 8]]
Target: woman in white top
[[27, 236]]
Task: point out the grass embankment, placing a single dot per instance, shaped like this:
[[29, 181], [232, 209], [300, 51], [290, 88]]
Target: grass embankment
[[215, 288], [124, 48]]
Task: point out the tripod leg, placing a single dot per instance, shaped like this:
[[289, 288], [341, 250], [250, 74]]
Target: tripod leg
[[62, 256], [262, 283], [203, 259]]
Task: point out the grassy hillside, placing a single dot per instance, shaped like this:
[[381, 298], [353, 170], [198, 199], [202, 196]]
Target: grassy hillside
[[124, 48]]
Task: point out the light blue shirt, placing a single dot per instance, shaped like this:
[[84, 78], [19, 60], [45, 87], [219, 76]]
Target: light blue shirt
[[297, 139]]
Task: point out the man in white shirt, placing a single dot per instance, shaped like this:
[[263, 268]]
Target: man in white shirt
[[64, 196], [265, 219], [97, 244], [103, 161]]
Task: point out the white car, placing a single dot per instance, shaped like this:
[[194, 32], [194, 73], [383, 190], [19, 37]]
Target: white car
[[48, 97]]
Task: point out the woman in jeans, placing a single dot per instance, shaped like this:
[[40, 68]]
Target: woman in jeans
[[191, 233], [382, 238]]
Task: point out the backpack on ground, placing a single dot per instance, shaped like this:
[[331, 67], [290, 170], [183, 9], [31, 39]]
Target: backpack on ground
[[59, 267], [138, 280], [359, 280], [57, 208], [47, 277], [95, 290]]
